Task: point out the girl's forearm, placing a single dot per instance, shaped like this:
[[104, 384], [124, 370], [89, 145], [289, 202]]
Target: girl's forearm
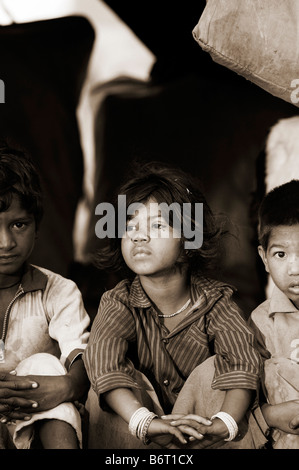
[[237, 402], [123, 402]]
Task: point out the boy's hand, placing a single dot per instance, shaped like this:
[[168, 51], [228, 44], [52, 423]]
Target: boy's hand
[[12, 401], [284, 416], [50, 391], [33, 393], [19, 398], [294, 424]]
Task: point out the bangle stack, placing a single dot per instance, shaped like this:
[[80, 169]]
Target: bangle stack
[[139, 423], [230, 424]]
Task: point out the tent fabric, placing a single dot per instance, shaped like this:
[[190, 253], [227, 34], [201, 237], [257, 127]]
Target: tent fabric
[[116, 52], [258, 40], [282, 150], [43, 66], [194, 114]]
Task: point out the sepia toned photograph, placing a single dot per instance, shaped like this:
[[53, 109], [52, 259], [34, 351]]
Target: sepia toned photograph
[[149, 229]]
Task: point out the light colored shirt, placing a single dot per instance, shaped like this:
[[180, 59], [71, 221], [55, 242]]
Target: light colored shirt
[[276, 325], [47, 315], [127, 334]]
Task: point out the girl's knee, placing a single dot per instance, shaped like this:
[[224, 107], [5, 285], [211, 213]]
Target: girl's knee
[[202, 374]]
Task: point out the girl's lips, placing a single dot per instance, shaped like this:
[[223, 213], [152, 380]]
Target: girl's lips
[[141, 251]]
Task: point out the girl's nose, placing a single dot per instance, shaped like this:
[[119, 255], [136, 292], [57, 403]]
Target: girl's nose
[[140, 235]]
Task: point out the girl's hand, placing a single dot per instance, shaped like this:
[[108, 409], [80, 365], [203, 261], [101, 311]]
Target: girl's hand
[[194, 426], [164, 434], [202, 432]]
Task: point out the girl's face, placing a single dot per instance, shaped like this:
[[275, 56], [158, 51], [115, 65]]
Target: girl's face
[[282, 260], [150, 246]]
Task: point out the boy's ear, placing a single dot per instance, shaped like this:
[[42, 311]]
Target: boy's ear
[[262, 254]]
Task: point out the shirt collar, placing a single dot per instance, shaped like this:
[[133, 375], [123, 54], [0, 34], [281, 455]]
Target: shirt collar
[[33, 279], [206, 291], [279, 302], [138, 297], [202, 290]]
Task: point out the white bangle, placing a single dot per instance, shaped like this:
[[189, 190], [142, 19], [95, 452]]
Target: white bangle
[[136, 418], [229, 422], [139, 423]]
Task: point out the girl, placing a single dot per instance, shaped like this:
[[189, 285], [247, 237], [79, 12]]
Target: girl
[[165, 319]]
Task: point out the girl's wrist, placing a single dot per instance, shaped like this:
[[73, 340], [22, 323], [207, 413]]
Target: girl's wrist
[[140, 422], [228, 428], [219, 429]]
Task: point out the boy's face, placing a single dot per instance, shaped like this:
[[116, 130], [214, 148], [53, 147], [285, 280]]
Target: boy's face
[[17, 238], [282, 260], [149, 246]]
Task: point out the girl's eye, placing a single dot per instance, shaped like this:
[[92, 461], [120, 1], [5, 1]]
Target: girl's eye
[[130, 228], [159, 225], [280, 254]]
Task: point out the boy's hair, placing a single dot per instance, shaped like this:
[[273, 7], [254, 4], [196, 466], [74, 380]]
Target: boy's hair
[[165, 184], [19, 177], [279, 207]]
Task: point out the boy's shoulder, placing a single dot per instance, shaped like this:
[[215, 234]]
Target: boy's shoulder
[[45, 271], [261, 311], [44, 278], [48, 273]]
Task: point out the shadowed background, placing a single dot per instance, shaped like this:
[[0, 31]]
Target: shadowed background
[[193, 113]]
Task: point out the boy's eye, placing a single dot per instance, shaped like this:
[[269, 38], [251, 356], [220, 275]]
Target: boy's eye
[[280, 254], [19, 224]]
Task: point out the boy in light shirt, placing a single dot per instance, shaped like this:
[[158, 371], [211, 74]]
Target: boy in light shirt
[[43, 323], [276, 321]]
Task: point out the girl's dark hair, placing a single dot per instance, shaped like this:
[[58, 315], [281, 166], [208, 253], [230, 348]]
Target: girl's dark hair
[[279, 207], [19, 177], [168, 185]]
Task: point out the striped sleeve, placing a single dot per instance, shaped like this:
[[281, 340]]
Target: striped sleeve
[[105, 356], [257, 322], [237, 362]]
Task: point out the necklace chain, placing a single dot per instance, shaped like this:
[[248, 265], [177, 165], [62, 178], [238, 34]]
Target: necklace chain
[[176, 313], [5, 320], [7, 312]]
